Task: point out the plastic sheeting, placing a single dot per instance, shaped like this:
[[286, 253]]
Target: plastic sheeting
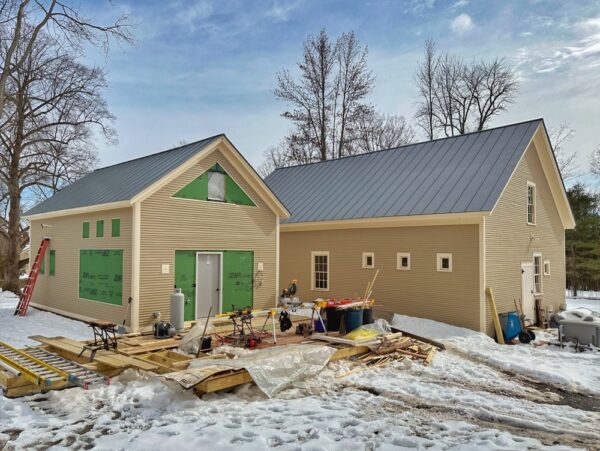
[[276, 368], [191, 341]]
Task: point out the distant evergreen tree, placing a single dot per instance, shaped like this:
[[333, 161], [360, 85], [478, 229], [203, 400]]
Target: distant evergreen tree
[[583, 242]]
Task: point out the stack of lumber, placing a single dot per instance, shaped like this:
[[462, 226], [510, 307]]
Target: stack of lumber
[[391, 348]]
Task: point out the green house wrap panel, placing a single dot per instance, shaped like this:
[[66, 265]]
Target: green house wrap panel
[[52, 265], [116, 228], [185, 278], [43, 265], [99, 229], [238, 275], [198, 189], [101, 275], [234, 194]]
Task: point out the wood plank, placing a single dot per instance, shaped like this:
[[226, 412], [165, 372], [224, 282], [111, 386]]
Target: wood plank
[[71, 349], [347, 352], [435, 343], [494, 312], [222, 382]]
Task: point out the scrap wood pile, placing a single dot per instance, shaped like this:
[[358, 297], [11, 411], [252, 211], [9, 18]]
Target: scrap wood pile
[[391, 348]]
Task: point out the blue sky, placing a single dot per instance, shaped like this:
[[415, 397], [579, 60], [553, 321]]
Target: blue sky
[[201, 67]]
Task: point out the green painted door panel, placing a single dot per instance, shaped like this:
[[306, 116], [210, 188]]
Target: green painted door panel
[[238, 275], [185, 278]]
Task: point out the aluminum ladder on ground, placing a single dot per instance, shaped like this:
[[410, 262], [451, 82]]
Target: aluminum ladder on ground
[[42, 367], [77, 374], [25, 298], [34, 369]]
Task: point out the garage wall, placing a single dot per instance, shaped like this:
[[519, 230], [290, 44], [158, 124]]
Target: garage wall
[[169, 224], [61, 291], [422, 291]]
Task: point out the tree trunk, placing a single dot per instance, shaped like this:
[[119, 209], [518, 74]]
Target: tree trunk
[[11, 265]]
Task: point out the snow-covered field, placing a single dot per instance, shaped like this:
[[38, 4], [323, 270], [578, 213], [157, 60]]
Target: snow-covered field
[[465, 400]]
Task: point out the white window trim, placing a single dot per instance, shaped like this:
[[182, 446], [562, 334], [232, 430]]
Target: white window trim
[[314, 254], [399, 257], [538, 254], [364, 260], [530, 183], [547, 262], [439, 262]]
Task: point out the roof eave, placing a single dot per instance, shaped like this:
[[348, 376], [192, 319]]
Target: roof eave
[[78, 210], [388, 221]]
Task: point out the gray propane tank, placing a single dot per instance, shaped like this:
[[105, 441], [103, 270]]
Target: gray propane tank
[[177, 304]]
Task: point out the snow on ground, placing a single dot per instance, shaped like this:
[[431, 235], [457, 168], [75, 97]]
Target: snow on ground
[[578, 372], [583, 294], [591, 303], [16, 329], [456, 403]]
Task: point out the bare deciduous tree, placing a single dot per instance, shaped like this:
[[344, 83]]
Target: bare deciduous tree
[[328, 98], [52, 104], [379, 131], [23, 21], [425, 80], [566, 159], [456, 97], [595, 161]]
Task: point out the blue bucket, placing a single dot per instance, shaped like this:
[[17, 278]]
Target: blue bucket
[[353, 319], [319, 327]]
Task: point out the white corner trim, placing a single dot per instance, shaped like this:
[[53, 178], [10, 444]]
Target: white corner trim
[[135, 266]]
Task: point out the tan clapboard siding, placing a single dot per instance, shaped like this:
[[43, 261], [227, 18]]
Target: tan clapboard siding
[[422, 291], [508, 240], [168, 224], [61, 292]]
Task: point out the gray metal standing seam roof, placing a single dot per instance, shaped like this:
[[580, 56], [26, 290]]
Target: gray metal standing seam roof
[[121, 181], [459, 174]]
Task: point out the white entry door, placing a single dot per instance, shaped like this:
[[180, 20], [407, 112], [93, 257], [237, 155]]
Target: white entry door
[[527, 290], [208, 283]]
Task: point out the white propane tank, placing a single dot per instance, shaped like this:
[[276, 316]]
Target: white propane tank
[[177, 304]]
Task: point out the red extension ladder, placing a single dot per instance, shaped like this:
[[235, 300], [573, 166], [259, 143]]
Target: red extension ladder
[[23, 304]]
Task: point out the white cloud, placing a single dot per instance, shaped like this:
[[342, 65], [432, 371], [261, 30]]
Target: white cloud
[[460, 4], [280, 11], [526, 34], [462, 24]]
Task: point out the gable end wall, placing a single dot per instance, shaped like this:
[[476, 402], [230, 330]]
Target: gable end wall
[[508, 239], [169, 224]]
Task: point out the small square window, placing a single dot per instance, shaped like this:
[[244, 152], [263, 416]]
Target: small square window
[[546, 267], [444, 262], [99, 228], [403, 261], [368, 260]]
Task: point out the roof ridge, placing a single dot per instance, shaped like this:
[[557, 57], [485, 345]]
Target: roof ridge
[[160, 152], [409, 145]]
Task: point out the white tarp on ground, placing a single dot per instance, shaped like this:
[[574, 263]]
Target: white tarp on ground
[[276, 368]]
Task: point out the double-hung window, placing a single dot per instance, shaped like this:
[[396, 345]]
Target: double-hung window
[[531, 203], [320, 270], [537, 273]]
